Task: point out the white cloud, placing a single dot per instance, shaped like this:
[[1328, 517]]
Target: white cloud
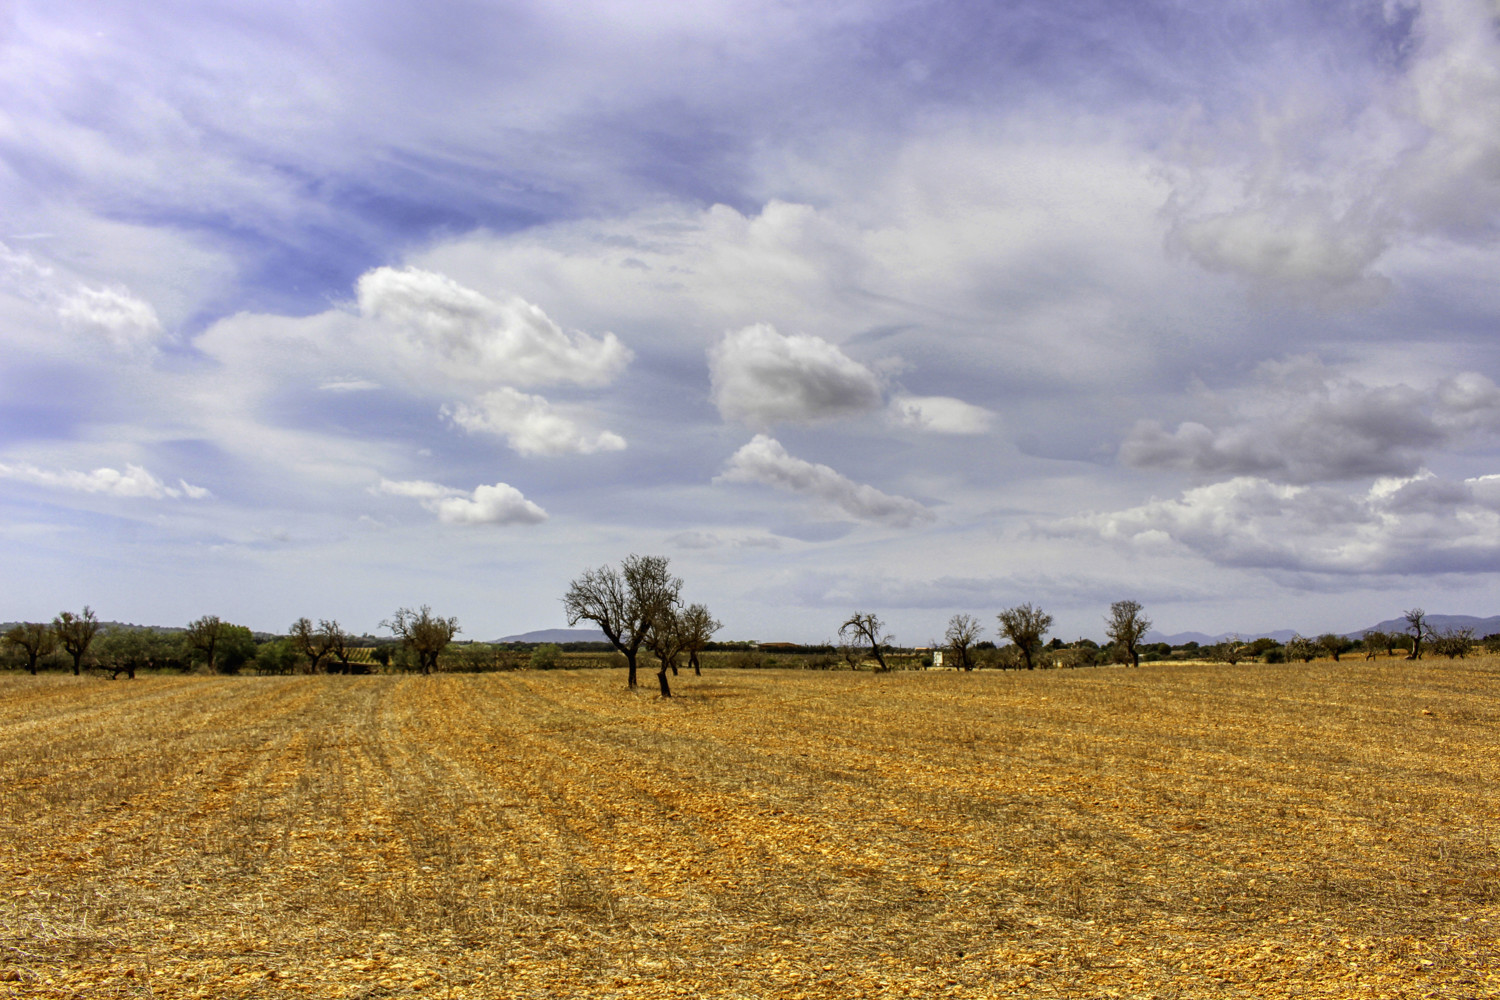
[[761, 377], [127, 321], [1419, 524], [1302, 422], [530, 424], [432, 321], [765, 461], [939, 415], [134, 482], [347, 385], [501, 503]]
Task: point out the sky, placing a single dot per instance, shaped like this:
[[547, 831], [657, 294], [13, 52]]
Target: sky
[[916, 308]]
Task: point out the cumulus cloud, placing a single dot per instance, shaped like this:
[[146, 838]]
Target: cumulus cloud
[[501, 503], [134, 482], [939, 415], [530, 424], [1301, 422], [435, 322], [761, 377], [1419, 524], [765, 461]]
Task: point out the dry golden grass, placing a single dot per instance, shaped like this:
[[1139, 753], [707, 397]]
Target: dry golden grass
[[1323, 830]]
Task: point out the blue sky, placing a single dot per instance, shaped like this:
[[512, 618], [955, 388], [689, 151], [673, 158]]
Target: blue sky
[[915, 308]]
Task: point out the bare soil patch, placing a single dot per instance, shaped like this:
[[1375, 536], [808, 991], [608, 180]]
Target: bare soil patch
[[1330, 830]]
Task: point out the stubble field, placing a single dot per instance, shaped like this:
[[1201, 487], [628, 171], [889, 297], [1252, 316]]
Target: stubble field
[[1173, 831]]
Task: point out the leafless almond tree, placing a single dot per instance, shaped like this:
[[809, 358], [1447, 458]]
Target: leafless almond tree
[[698, 628], [624, 602], [866, 626], [1416, 625], [962, 631], [310, 642], [422, 632], [1127, 625], [1025, 626]]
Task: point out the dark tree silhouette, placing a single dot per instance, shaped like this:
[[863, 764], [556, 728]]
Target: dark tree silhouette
[[75, 633], [1025, 625], [624, 602]]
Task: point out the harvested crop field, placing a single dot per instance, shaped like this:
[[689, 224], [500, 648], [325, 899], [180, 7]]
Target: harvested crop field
[[1323, 830]]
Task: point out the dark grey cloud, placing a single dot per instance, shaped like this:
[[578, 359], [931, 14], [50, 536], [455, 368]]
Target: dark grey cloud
[[1301, 422], [761, 377]]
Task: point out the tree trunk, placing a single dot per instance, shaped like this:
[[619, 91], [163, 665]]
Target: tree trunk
[[693, 662], [661, 676], [630, 662]]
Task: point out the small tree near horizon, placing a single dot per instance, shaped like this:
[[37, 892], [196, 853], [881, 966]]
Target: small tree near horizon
[[1454, 643], [424, 634], [624, 602], [866, 627], [75, 633], [963, 630], [1127, 626], [698, 627], [1025, 626], [1299, 647], [35, 639], [1334, 644], [203, 635], [310, 642], [1418, 629]]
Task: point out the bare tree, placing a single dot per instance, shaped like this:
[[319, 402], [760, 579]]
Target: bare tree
[[1127, 626], [310, 642], [1417, 627], [1025, 626], [1454, 643], [75, 633], [698, 628], [624, 602], [666, 639], [962, 631], [426, 635], [1299, 647], [866, 626], [1230, 651], [35, 639], [337, 641]]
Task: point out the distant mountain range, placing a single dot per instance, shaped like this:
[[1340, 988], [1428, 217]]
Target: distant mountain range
[[1481, 627], [558, 635]]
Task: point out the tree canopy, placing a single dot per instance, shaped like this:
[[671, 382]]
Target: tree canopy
[[426, 635], [1025, 626], [624, 602], [1126, 625]]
